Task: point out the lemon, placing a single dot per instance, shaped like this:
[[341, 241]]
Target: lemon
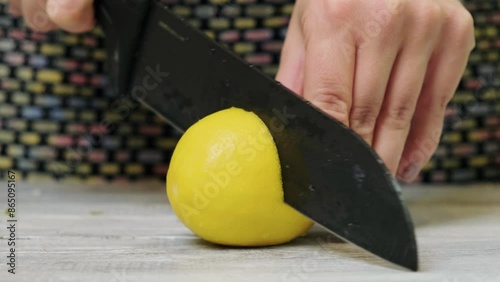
[[224, 183]]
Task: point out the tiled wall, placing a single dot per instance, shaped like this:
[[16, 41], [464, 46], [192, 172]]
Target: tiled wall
[[52, 102]]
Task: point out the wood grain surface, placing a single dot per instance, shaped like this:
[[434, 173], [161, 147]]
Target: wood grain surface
[[122, 233]]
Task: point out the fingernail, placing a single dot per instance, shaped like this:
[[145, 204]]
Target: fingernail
[[410, 172]]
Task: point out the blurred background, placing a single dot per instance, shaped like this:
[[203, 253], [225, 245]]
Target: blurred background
[[52, 98]]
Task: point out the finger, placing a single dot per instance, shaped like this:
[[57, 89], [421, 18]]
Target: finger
[[15, 7], [442, 78], [35, 15], [72, 15], [329, 70], [291, 69], [373, 68], [405, 84]]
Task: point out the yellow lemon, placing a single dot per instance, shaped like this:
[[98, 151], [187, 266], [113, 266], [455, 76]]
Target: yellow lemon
[[224, 183]]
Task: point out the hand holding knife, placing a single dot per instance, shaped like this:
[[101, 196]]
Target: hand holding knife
[[329, 173]]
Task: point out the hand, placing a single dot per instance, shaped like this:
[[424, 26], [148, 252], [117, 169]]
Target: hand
[[46, 15], [385, 68]]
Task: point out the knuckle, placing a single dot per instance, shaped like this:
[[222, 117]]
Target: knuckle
[[399, 117], [462, 23], [338, 8], [444, 99], [364, 117], [333, 101], [429, 15]]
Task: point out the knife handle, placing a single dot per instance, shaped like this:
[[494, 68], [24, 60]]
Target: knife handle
[[122, 23]]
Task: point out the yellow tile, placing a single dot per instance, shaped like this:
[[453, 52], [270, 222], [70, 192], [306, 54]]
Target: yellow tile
[[6, 137], [99, 55], [244, 23], [30, 138], [60, 167], [467, 123], [17, 124], [112, 117], [182, 11], [219, 23], [490, 94], [166, 143], [88, 115], [50, 76], [7, 110], [492, 57], [478, 32], [86, 91], [134, 169], [4, 70], [287, 9], [450, 163], [35, 87], [46, 126], [68, 38], [463, 97], [479, 161], [241, 48], [491, 31], [64, 89], [20, 98], [475, 136], [136, 142], [271, 70], [97, 30], [260, 10], [15, 150], [194, 23], [109, 169], [452, 137], [273, 22], [24, 73], [5, 163], [69, 114], [430, 165], [52, 49], [483, 44], [84, 169]]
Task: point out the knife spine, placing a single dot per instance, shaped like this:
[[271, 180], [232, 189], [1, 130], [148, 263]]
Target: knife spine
[[122, 22]]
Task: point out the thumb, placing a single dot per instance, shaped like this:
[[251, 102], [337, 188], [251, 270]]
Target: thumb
[[72, 15]]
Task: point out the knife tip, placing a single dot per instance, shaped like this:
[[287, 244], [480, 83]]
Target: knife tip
[[410, 259]]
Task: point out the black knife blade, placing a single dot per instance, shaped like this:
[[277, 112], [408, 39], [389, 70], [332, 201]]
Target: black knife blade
[[329, 174]]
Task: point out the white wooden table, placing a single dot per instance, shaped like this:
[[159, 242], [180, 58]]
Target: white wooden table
[[69, 232]]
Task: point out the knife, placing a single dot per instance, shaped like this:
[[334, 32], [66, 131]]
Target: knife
[[329, 173]]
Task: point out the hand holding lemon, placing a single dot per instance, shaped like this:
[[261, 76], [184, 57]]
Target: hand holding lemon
[[224, 183]]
